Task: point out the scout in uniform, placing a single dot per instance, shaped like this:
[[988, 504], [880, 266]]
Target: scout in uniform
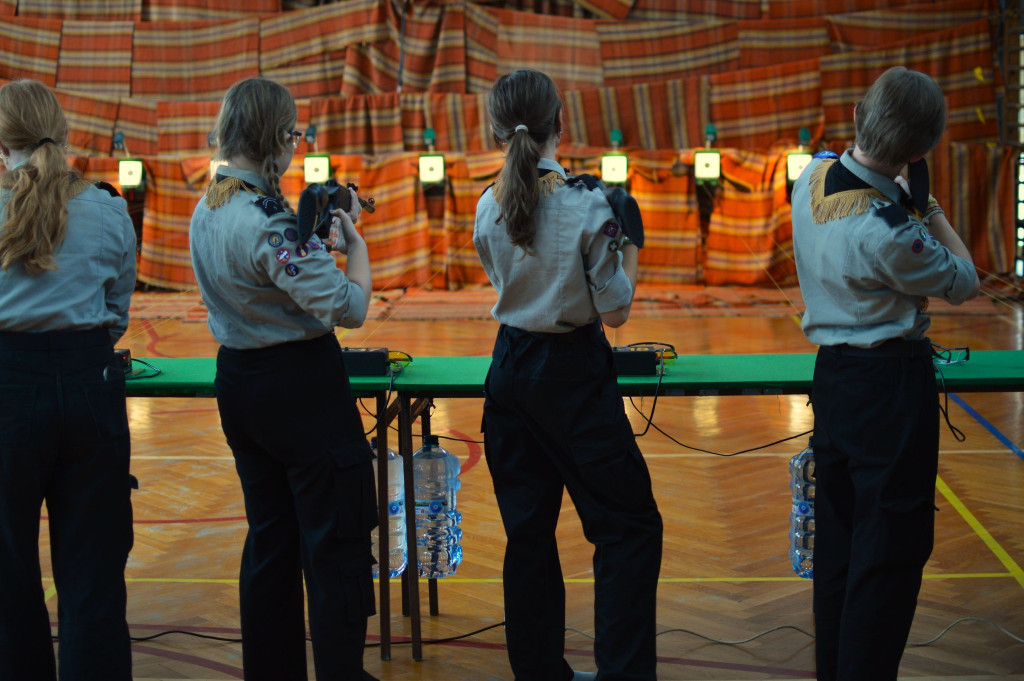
[[274, 296], [868, 256], [553, 414]]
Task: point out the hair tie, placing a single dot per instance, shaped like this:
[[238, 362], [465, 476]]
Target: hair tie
[[522, 127], [45, 140]]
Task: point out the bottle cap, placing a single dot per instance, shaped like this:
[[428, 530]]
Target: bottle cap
[[430, 440]]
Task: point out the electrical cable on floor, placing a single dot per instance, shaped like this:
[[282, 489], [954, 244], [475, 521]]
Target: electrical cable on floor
[[449, 639]]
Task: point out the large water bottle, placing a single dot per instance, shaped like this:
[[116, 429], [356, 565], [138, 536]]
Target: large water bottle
[[438, 531], [801, 517], [397, 553]]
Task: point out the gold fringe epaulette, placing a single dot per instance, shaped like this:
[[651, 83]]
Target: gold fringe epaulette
[[546, 183], [841, 204], [219, 191]]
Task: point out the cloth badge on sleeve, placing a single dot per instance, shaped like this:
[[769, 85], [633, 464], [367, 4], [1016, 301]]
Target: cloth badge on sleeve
[[313, 246], [301, 250], [291, 234], [275, 239], [613, 246], [826, 154], [291, 270], [917, 246], [610, 229], [283, 256], [269, 205]]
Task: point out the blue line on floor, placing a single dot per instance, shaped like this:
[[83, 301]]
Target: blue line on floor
[[988, 426]]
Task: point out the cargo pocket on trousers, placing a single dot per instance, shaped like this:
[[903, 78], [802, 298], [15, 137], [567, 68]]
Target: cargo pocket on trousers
[[356, 496], [106, 400], [611, 466]]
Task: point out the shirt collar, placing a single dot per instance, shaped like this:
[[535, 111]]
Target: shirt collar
[[548, 164], [884, 184], [253, 178]]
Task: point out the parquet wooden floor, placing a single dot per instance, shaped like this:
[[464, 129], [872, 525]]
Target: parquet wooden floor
[[725, 574]]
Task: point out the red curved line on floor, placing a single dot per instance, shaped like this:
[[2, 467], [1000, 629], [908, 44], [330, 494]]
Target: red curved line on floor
[[154, 338], [233, 672], [475, 450]]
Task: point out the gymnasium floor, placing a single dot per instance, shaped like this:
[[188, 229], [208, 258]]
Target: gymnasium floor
[[725, 574]]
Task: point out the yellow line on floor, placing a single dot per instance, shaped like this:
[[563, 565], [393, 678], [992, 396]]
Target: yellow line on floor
[[980, 530]]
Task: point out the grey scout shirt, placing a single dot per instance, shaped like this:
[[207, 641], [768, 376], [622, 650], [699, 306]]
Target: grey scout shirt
[[261, 285], [572, 274], [864, 281], [95, 276]]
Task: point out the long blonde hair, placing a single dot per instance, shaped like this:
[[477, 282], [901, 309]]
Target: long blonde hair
[[255, 118], [35, 214]]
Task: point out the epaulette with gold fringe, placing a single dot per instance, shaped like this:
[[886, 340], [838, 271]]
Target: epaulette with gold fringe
[[223, 188], [546, 183], [841, 204]]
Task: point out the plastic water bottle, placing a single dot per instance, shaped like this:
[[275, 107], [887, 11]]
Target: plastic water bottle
[[801, 517], [438, 531], [398, 556]]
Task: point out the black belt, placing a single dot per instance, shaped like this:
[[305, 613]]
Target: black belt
[[54, 340], [580, 334], [894, 347]]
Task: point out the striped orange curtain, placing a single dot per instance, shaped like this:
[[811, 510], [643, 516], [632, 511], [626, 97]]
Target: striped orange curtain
[[481, 50], [864, 30], [672, 253], [607, 9], [396, 234], [90, 122], [568, 50], [366, 124], [419, 48], [137, 119], [184, 127], [314, 77], [679, 10], [793, 9], [449, 71], [29, 48], [633, 52], [960, 59], [202, 10], [468, 176], [460, 122], [170, 200], [295, 37], [370, 69], [193, 60], [750, 239], [86, 10], [756, 108], [769, 41], [96, 57], [8, 8]]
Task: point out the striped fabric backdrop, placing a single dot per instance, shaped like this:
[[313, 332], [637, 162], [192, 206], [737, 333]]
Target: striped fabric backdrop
[[750, 235], [481, 50], [672, 251], [170, 199], [86, 10], [607, 9], [370, 124], [566, 49], [396, 234], [468, 175], [755, 108], [191, 10], [29, 48], [460, 122], [137, 119], [794, 9], [320, 76], [91, 122], [673, 10], [960, 60], [8, 8], [96, 57], [184, 127], [370, 69], [777, 41], [449, 72], [861, 30], [650, 51], [295, 37], [193, 60]]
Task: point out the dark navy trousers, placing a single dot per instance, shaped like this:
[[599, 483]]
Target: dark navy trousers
[[876, 446], [310, 501], [64, 439], [554, 420]]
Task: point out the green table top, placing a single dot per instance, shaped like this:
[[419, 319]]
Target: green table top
[[992, 370]]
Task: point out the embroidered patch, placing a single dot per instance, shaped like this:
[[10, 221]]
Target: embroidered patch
[[313, 245], [301, 251], [826, 154], [269, 205], [613, 246], [291, 234], [291, 270], [918, 246], [283, 255], [275, 239], [610, 229]]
